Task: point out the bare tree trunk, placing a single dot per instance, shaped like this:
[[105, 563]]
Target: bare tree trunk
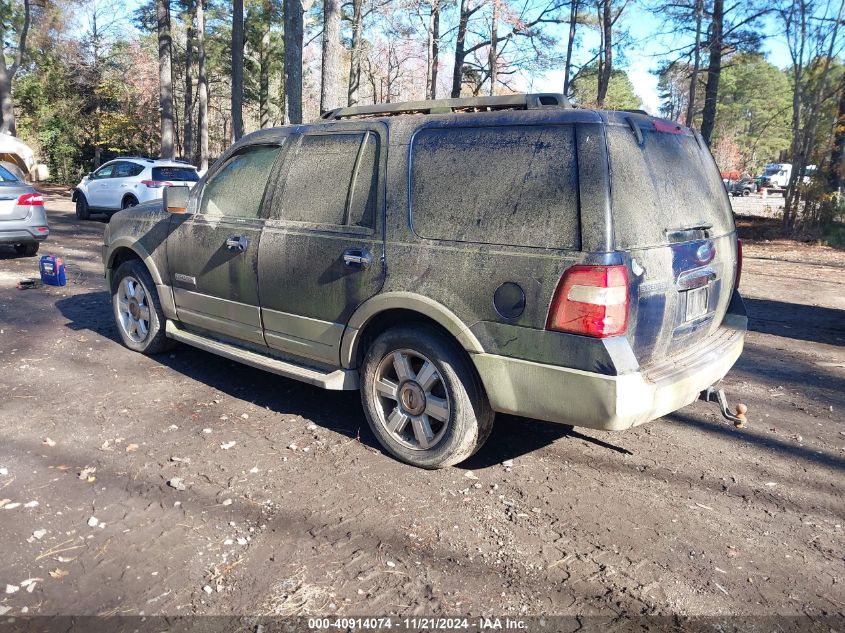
[[433, 50], [714, 72], [294, 29], [7, 73], [189, 88], [330, 80], [494, 44], [264, 68], [696, 64], [165, 77], [460, 45], [570, 44], [202, 97], [837, 153], [355, 52], [606, 66], [237, 69]]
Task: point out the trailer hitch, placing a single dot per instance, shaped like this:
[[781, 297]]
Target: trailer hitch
[[711, 394]]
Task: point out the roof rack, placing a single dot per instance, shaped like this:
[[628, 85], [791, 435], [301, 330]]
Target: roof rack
[[533, 101]]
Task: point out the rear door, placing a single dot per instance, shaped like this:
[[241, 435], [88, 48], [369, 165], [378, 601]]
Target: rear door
[[116, 187], [673, 216], [212, 253], [321, 251]]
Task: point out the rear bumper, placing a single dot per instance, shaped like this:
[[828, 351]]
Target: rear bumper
[[581, 398], [22, 235]]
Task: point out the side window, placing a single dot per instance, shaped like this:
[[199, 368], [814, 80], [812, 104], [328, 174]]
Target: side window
[[332, 180], [237, 188], [513, 185], [124, 170], [136, 169], [104, 172]]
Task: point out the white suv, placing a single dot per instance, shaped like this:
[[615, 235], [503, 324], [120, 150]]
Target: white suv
[[126, 182]]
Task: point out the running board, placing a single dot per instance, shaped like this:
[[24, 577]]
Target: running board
[[340, 379]]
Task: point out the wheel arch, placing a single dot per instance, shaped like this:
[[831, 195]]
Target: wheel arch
[[127, 196], [400, 308], [124, 249], [74, 196]]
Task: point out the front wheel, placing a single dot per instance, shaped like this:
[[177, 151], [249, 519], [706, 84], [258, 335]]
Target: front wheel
[[137, 309], [82, 210], [423, 399]]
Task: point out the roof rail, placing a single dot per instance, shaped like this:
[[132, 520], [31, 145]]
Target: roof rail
[[533, 101]]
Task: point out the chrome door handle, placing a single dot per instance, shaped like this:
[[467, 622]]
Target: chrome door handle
[[358, 258], [237, 243]]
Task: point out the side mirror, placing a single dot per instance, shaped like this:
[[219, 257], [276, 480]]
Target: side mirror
[[176, 199]]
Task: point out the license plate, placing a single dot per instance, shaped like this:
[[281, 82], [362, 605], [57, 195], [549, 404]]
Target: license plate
[[696, 303]]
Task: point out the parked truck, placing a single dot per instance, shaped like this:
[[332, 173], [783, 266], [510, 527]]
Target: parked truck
[[776, 177]]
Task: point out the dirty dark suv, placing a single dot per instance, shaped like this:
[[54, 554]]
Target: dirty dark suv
[[451, 259]]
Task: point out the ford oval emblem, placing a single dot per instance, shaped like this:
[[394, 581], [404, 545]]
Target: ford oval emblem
[[705, 253]]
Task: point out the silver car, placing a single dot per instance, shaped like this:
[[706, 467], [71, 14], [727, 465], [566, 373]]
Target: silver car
[[23, 222]]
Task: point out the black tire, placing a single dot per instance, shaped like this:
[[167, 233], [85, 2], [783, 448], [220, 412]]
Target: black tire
[[82, 210], [746, 193], [151, 339], [469, 418], [27, 250], [129, 202]]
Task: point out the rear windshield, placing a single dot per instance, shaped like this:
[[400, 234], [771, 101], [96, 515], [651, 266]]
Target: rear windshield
[[667, 185], [175, 173]]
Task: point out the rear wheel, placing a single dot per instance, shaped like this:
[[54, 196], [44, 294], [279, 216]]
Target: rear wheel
[[82, 210], [128, 202], [746, 193], [423, 400], [27, 250], [137, 309]]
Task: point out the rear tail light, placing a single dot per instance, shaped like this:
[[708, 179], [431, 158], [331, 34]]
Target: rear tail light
[[591, 300], [738, 264], [31, 200], [156, 184]]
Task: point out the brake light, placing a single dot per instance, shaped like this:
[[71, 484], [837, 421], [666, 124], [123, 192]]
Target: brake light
[[156, 184], [591, 300], [31, 200], [738, 264]]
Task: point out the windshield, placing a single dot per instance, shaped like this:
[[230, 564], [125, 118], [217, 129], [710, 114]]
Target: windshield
[[188, 174], [667, 184]]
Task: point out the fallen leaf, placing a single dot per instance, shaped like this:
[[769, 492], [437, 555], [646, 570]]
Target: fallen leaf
[[48, 442], [228, 445], [131, 448], [58, 574]]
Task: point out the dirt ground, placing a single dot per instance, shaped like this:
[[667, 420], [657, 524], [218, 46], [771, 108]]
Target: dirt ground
[[289, 507]]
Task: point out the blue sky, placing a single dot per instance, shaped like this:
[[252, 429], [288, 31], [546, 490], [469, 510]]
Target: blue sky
[[646, 52]]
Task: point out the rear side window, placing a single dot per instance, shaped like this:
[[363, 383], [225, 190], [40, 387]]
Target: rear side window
[[332, 180], [6, 175], [513, 185], [237, 188], [666, 185], [185, 174], [127, 170]]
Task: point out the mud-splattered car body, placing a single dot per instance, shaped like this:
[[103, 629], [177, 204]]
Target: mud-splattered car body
[[585, 261]]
